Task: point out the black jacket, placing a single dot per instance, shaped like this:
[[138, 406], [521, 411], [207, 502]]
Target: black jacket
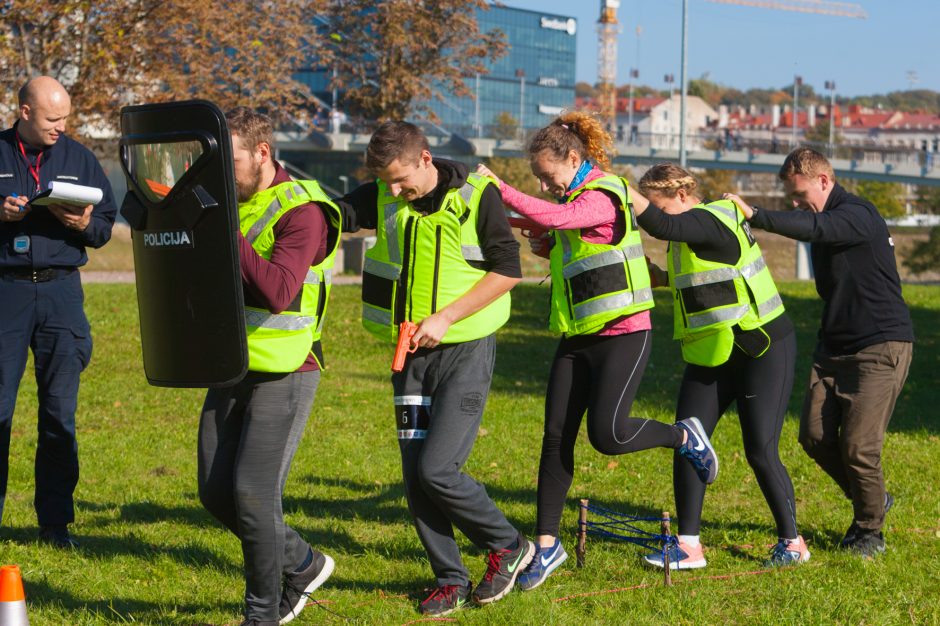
[[856, 271], [51, 243]]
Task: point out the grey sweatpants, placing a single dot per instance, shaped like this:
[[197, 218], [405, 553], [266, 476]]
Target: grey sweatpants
[[248, 434], [439, 400]]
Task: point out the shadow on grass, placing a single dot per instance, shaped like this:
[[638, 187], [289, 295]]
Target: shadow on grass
[[116, 610], [525, 350]]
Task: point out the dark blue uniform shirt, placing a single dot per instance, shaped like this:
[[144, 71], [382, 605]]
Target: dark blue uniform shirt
[[51, 243]]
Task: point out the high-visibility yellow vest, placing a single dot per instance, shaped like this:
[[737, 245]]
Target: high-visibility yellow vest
[[281, 342], [710, 298], [419, 264], [595, 283]]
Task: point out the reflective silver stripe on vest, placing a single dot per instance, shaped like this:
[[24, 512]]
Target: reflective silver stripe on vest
[[565, 248], [389, 214], [313, 278], [262, 222], [376, 315], [472, 253], [769, 305], [466, 192], [609, 257], [412, 401], [719, 315], [602, 305], [731, 214], [708, 277], [260, 319], [381, 269], [676, 257], [751, 269], [618, 189], [643, 295]]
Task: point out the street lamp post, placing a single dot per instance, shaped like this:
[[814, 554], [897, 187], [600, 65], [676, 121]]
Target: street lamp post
[[520, 73], [669, 79], [634, 74], [831, 86], [476, 107], [797, 81], [683, 79], [345, 180]]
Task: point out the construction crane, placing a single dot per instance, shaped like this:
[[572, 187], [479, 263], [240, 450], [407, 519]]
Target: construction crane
[[607, 31], [824, 7]]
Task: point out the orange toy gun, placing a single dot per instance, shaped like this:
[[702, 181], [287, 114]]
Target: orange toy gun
[[406, 330], [529, 229], [538, 236]]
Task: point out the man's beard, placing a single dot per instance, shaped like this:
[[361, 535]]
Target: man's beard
[[244, 190]]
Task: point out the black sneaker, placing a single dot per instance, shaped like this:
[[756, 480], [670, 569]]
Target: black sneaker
[[445, 600], [502, 568], [698, 450], [852, 533], [868, 544], [299, 585], [57, 536], [255, 622]]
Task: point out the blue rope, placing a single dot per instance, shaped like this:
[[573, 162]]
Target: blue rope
[[617, 524]]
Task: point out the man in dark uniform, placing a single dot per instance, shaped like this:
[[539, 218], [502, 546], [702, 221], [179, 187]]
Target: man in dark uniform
[[41, 248], [865, 342]]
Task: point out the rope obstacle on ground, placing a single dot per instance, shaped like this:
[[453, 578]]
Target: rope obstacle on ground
[[623, 527]]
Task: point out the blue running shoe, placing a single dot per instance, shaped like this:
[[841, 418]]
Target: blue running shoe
[[543, 563], [698, 450], [681, 556], [788, 552]]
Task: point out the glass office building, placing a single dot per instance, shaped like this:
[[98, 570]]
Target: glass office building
[[533, 81]]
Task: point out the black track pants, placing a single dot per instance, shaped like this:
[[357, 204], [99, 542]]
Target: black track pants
[[600, 375], [761, 387]]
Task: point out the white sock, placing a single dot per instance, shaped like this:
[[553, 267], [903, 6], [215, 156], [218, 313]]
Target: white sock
[[689, 540]]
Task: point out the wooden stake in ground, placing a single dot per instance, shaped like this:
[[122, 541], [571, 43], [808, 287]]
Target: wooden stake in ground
[[582, 531], [666, 532]]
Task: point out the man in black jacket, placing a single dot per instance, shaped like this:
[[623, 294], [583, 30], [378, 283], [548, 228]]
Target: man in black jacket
[[41, 248], [864, 346]]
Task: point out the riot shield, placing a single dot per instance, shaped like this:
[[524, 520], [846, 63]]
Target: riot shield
[[183, 213]]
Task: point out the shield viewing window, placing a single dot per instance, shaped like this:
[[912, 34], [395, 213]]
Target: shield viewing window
[[157, 167]]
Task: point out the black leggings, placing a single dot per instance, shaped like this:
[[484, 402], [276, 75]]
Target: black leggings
[[599, 374], [761, 387]]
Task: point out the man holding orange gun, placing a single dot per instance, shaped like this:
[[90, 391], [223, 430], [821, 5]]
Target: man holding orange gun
[[445, 259]]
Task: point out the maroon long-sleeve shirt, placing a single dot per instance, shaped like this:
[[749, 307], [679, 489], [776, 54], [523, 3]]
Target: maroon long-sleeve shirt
[[300, 240]]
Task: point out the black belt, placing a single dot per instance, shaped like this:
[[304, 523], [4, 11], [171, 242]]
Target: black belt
[[37, 276]]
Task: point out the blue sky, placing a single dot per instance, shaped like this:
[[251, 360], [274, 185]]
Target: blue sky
[[746, 47]]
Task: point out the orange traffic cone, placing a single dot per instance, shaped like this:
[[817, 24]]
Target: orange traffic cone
[[12, 598]]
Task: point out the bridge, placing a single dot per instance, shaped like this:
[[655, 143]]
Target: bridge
[[909, 169]]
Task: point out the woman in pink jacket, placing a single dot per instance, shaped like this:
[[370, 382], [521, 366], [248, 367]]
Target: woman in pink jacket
[[597, 371]]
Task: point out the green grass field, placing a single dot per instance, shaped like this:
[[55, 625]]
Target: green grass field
[[150, 554]]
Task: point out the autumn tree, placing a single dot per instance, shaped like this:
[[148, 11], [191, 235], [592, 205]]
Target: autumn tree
[[111, 54], [887, 197], [393, 57], [925, 255], [927, 199], [505, 126]]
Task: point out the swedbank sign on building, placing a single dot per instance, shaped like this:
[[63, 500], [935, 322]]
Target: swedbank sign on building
[[569, 25]]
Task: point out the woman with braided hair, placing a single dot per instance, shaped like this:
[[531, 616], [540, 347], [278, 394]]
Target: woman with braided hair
[[737, 341], [601, 298]]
